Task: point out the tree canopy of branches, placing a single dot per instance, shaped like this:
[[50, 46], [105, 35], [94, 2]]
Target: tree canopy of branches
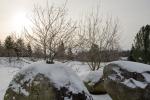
[[50, 27], [140, 51], [97, 35]]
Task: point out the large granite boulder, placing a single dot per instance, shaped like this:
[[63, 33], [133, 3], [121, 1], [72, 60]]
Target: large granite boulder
[[124, 80], [42, 81], [94, 82]]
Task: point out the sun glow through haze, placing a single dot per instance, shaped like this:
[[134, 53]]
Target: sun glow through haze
[[20, 21]]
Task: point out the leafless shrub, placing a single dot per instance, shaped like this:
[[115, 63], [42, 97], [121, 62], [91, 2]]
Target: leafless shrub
[[99, 37]]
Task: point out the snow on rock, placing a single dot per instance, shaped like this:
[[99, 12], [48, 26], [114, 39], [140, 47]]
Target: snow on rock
[[133, 83], [58, 74], [133, 66], [123, 78], [92, 77], [94, 81]]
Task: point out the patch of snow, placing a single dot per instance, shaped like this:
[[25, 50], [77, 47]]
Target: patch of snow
[[134, 84], [118, 72], [92, 77], [17, 88], [124, 58], [22, 62], [115, 76], [112, 77], [101, 97], [146, 76], [66, 98], [79, 67], [133, 66]]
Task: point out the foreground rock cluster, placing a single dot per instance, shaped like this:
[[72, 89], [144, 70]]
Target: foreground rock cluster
[[122, 80]]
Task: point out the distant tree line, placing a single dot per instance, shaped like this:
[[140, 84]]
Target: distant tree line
[[15, 48], [11, 47]]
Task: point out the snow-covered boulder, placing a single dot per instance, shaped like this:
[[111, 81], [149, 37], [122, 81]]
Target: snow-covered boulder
[[94, 82], [41, 81], [124, 80]]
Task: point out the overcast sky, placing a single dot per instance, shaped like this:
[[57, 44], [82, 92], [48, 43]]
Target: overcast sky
[[132, 14]]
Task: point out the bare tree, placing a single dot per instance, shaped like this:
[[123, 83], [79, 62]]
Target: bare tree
[[97, 35], [50, 28]]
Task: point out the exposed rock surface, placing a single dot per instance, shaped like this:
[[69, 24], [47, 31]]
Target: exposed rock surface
[[124, 80]]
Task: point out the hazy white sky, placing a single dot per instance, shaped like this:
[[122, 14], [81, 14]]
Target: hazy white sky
[[132, 14]]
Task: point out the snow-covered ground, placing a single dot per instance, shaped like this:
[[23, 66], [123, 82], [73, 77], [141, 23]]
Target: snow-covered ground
[[6, 74], [7, 71], [101, 97]]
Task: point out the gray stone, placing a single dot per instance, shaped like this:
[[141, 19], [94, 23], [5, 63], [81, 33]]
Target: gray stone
[[96, 88], [121, 84]]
